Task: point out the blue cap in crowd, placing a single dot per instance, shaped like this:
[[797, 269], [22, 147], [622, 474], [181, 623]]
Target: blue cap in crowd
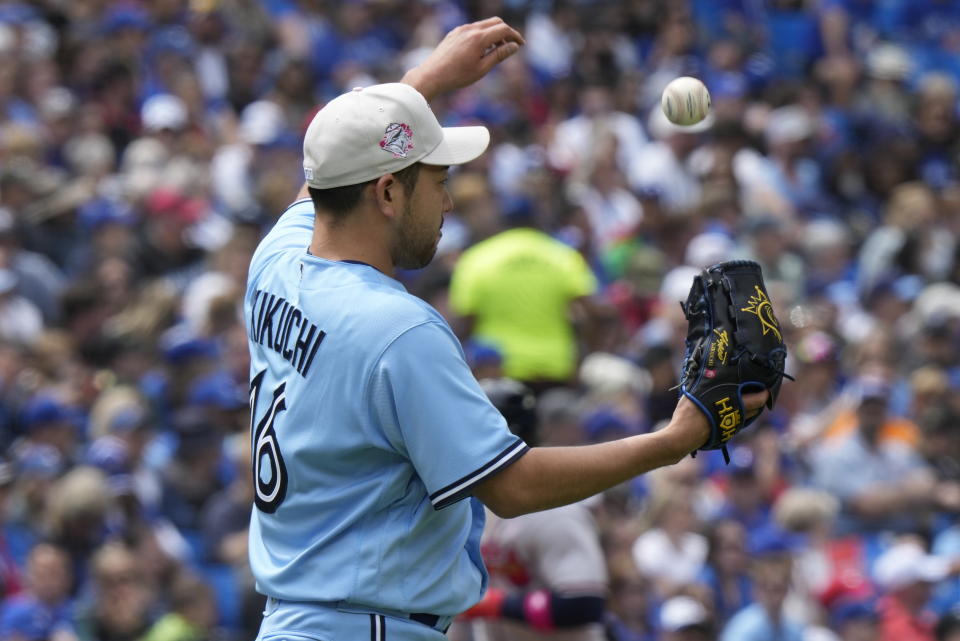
[[17, 13], [100, 212], [848, 610], [604, 424], [45, 409], [180, 345], [196, 435], [110, 455], [773, 541], [39, 462], [517, 208], [125, 16], [741, 462], [219, 390], [480, 353], [175, 40], [127, 419]]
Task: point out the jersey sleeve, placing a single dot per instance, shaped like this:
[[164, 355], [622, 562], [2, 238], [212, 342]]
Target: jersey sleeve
[[435, 413], [293, 230], [580, 279]]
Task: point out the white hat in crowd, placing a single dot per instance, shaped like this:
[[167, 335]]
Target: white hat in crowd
[[163, 111], [682, 612], [907, 563], [605, 374], [261, 122], [371, 131], [708, 248], [676, 284], [888, 61], [788, 124]]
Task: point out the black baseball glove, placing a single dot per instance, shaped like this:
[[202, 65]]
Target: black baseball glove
[[734, 344]]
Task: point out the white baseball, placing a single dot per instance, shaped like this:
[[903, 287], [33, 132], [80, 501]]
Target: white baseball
[[685, 101]]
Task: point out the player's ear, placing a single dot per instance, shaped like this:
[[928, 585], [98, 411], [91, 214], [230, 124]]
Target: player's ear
[[387, 191]]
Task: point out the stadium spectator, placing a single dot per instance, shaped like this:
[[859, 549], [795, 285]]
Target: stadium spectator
[[725, 573], [191, 477], [193, 614], [630, 615], [766, 618], [893, 488], [856, 620], [906, 574], [76, 515], [119, 603], [518, 289], [43, 610], [671, 553]]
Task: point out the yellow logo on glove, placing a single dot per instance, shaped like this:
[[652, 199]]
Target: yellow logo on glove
[[729, 419], [761, 306]]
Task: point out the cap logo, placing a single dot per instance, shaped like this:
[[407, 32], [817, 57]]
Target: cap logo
[[397, 139]]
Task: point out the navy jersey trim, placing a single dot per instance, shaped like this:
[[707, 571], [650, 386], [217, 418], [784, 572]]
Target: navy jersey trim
[[294, 204], [460, 489]]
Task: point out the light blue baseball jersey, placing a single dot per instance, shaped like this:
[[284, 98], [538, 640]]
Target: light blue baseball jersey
[[368, 429]]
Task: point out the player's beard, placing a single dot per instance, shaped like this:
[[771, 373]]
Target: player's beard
[[414, 244]]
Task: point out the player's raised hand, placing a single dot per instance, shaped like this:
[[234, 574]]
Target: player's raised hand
[[464, 56]]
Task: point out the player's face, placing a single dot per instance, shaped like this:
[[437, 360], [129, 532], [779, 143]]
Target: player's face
[[417, 231]]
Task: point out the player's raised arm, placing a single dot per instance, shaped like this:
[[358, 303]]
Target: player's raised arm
[[465, 55]]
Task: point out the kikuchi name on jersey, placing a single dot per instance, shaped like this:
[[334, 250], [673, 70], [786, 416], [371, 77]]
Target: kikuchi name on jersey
[[282, 327]]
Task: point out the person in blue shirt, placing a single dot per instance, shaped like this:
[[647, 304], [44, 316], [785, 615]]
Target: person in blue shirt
[[44, 609], [766, 619], [726, 574], [368, 430]]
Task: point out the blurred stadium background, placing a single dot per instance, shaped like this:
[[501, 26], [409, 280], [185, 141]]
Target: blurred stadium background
[[146, 146]]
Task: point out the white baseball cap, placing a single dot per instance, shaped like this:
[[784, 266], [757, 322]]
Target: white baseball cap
[[261, 122], [372, 131], [907, 563], [163, 111], [682, 612]]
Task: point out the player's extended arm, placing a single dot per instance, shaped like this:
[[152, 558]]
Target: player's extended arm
[[465, 55], [548, 477]]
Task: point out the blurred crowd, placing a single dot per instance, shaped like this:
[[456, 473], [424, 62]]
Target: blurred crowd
[[146, 146]]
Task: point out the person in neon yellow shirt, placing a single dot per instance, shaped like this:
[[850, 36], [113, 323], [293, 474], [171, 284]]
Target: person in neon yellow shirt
[[517, 288]]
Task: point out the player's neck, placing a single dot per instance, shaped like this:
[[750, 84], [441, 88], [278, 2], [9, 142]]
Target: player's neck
[[351, 240]]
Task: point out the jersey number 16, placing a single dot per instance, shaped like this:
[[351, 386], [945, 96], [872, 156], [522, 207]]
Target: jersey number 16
[[269, 472]]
